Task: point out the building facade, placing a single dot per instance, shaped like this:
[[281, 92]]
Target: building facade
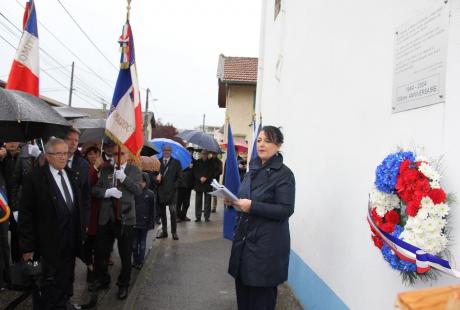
[[326, 73], [237, 80]]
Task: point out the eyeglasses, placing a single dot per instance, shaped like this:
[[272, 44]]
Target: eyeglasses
[[59, 154]]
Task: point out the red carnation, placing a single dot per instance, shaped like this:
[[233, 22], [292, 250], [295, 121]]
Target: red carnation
[[404, 166], [378, 242], [376, 218], [387, 227], [392, 217], [412, 185], [412, 208], [437, 195]]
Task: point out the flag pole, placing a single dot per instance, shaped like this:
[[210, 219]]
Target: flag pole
[[118, 205]]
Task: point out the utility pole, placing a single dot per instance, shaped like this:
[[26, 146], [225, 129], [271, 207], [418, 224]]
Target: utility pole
[[146, 118], [204, 119], [71, 84], [147, 99]]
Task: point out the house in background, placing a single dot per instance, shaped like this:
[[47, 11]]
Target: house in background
[[237, 80]]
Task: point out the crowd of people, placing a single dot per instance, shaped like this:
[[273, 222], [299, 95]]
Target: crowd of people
[[70, 202]]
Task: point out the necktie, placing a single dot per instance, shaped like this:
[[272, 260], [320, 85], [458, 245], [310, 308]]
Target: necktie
[[68, 199]]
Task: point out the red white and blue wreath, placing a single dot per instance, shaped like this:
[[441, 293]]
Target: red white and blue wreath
[[407, 214]]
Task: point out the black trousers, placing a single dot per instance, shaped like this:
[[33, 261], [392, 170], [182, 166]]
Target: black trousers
[[172, 214], [183, 201], [4, 255], [57, 286], [15, 252], [106, 235], [199, 205], [254, 297]]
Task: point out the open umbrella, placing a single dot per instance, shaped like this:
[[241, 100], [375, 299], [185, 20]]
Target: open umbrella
[[201, 139], [177, 151], [92, 130], [239, 144], [148, 149], [25, 117]]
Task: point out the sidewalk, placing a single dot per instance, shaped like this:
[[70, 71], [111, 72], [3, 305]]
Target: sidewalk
[[192, 273], [188, 274]]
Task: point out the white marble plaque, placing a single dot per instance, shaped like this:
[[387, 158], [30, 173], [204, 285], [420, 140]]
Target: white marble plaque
[[420, 60]]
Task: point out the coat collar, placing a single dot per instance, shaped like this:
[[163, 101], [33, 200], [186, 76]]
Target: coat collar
[[261, 173]]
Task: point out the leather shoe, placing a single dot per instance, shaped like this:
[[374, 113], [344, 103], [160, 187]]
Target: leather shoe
[[122, 292], [162, 235], [97, 285], [175, 236], [207, 219], [186, 219], [197, 220]]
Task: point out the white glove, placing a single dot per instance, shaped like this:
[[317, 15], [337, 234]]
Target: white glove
[[120, 175], [33, 149], [113, 192]]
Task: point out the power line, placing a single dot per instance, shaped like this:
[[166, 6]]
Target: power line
[[87, 36], [60, 65], [53, 78], [71, 52], [4, 39]]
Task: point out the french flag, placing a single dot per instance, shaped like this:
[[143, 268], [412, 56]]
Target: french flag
[[24, 74], [124, 123]]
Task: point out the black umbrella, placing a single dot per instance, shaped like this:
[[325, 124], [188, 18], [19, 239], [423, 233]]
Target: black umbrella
[[149, 149], [92, 130], [24, 117], [201, 139]]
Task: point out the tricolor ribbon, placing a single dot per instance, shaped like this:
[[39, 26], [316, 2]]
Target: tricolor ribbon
[[4, 206], [410, 253]]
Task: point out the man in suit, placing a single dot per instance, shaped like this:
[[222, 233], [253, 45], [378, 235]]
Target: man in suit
[[184, 190], [117, 216], [168, 181], [217, 163], [80, 166], [50, 225], [203, 172]]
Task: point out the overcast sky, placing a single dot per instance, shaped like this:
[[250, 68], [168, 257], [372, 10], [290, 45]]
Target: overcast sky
[[177, 47]]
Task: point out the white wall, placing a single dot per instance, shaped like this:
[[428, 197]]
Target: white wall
[[333, 100]]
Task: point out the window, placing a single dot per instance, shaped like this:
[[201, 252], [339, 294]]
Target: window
[[277, 8]]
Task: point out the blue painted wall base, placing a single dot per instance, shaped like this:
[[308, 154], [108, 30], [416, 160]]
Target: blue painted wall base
[[312, 292]]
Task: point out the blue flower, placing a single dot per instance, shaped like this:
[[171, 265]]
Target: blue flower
[[394, 261], [387, 172]]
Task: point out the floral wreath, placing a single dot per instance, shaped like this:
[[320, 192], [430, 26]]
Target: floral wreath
[[408, 204]]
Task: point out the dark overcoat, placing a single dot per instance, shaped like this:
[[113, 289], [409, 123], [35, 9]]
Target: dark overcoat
[[38, 215], [203, 168], [261, 245], [171, 176], [188, 181], [145, 206], [81, 168]]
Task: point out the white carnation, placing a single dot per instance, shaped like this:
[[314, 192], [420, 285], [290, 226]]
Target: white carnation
[[426, 229], [383, 202], [440, 210], [429, 172]]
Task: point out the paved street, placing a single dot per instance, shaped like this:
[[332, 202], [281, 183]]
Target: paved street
[[187, 274]]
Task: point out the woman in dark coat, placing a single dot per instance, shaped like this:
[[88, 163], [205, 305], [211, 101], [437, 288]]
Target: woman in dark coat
[[260, 252]]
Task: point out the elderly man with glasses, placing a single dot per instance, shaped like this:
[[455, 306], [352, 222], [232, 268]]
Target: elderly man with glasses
[[50, 227]]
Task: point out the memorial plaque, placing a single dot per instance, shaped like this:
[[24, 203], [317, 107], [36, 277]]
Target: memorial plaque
[[420, 60]]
